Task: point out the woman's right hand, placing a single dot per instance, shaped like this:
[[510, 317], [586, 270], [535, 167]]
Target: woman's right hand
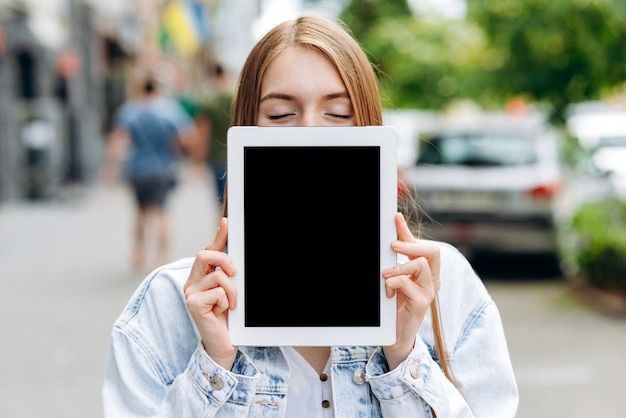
[[210, 293]]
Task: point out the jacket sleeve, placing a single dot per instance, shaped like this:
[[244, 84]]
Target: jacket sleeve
[[135, 385], [481, 365], [478, 351]]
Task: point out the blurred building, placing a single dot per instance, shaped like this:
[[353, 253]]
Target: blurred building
[[65, 65], [49, 102]]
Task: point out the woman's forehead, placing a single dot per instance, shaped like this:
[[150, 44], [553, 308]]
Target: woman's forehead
[[298, 65]]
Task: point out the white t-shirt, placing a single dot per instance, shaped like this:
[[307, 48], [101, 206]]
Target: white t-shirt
[[310, 395]]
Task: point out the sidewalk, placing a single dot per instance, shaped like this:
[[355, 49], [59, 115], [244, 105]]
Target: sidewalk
[[66, 276]]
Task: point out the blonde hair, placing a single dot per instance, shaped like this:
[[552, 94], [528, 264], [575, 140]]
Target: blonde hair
[[334, 40]]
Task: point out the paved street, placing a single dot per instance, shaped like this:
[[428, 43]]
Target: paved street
[[66, 276], [569, 360]]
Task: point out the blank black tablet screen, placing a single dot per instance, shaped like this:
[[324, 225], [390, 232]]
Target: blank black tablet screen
[[312, 236]]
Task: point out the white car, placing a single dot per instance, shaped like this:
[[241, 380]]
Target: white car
[[492, 183], [602, 131]]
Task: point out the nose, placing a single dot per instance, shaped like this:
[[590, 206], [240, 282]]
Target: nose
[[310, 118], [308, 122]]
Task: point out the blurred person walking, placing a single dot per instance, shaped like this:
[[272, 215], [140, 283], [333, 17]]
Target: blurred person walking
[[213, 116], [148, 138], [216, 118], [218, 112]]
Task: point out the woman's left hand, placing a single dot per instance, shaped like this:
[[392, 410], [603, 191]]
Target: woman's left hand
[[415, 283]]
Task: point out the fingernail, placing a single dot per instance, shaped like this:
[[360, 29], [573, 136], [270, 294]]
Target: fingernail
[[397, 244]]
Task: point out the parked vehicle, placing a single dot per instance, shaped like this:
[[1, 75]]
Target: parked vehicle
[[602, 132], [492, 183]]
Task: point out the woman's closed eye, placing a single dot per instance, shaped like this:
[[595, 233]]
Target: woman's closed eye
[[280, 116], [340, 116], [339, 107]]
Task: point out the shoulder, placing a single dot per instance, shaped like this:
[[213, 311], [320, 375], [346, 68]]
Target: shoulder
[[127, 111], [172, 110], [155, 331], [463, 296], [458, 277], [158, 307]]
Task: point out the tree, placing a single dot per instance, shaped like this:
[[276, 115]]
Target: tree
[[555, 51], [362, 15], [426, 63], [552, 51], [423, 61]]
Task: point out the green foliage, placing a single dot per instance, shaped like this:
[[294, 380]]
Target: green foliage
[[422, 62], [417, 71], [361, 15], [557, 51], [599, 254], [552, 51]]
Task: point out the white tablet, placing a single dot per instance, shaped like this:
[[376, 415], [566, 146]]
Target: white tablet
[[310, 220]]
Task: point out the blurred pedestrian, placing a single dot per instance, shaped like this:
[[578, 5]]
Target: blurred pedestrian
[[171, 352], [37, 136], [217, 116], [219, 111], [213, 117], [147, 141]]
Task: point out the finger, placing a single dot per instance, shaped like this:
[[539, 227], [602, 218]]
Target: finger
[[420, 248], [215, 280], [213, 256], [413, 248], [208, 261], [217, 260], [417, 272], [205, 264], [221, 236], [402, 229], [413, 269], [215, 300], [403, 284]]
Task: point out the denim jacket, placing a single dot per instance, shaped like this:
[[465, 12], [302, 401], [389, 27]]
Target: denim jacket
[[157, 366]]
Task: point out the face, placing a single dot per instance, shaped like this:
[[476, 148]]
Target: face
[[302, 88]]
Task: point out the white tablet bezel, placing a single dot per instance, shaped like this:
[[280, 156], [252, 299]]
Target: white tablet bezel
[[385, 138]]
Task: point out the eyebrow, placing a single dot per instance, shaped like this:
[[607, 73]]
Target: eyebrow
[[282, 96]]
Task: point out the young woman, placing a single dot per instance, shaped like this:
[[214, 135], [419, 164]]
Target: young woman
[[171, 354]]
